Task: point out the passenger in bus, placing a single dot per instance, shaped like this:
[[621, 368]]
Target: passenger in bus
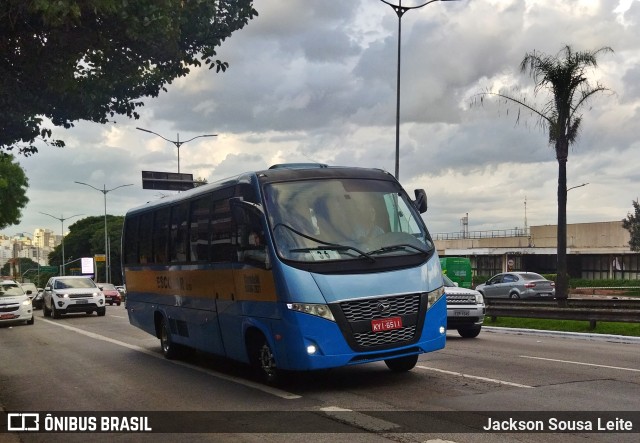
[[367, 227]]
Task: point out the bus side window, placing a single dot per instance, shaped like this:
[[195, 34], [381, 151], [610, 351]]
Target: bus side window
[[223, 247], [199, 232]]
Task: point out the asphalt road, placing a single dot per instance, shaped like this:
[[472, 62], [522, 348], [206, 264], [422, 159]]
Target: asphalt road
[[103, 366]]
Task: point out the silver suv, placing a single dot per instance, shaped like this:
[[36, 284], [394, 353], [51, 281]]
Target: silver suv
[[465, 309], [72, 294]]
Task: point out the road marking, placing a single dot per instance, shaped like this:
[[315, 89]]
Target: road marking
[[358, 419], [475, 377], [269, 390], [581, 363], [117, 316]]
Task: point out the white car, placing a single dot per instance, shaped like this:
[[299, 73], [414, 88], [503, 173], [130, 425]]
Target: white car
[[15, 304], [67, 294]]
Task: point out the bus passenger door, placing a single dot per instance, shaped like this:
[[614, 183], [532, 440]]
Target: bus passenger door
[[254, 297]]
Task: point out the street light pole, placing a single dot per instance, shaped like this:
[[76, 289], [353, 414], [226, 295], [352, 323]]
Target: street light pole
[[62, 219], [107, 263], [400, 11], [177, 142]]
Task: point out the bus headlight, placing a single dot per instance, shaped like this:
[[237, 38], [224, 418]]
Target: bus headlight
[[318, 310], [434, 296]]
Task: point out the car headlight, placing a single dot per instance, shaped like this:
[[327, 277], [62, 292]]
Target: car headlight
[[27, 302], [61, 295], [479, 298], [318, 310]]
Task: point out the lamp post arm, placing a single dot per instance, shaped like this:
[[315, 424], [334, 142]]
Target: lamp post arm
[[155, 133], [400, 10], [197, 136], [117, 187], [87, 184]]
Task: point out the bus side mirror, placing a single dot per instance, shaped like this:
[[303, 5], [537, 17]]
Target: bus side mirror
[[421, 201]]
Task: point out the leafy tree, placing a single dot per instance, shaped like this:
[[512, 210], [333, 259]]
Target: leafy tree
[[632, 224], [65, 60], [564, 78], [13, 191], [86, 239], [23, 265]]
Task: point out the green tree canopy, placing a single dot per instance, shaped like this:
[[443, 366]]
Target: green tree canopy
[[13, 191], [632, 224], [86, 239], [563, 77], [66, 60]]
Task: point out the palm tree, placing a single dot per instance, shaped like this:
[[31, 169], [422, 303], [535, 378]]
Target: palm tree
[[563, 77]]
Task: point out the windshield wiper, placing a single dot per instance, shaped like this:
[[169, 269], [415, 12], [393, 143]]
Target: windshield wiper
[[339, 248], [386, 249]]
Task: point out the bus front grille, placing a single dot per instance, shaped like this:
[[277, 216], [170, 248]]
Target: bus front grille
[[369, 339], [355, 320], [370, 308]]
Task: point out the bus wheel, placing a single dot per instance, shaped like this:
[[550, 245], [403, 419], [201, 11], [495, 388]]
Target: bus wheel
[[263, 360], [402, 364], [169, 349]]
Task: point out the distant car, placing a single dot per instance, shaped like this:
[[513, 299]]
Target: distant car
[[465, 309], [516, 285], [15, 304], [111, 294], [30, 289], [62, 295], [37, 300]]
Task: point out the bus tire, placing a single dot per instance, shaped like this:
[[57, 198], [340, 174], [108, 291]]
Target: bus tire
[[402, 364], [169, 348], [263, 360]]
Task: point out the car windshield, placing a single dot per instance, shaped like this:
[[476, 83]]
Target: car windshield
[[66, 283], [344, 219], [107, 286], [10, 290]]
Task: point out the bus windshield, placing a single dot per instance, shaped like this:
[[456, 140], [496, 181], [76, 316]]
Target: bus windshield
[[343, 219]]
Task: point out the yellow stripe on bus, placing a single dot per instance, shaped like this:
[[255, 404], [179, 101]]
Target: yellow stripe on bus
[[227, 284]]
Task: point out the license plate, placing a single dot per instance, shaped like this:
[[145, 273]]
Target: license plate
[[386, 324], [81, 302], [7, 316], [461, 313]]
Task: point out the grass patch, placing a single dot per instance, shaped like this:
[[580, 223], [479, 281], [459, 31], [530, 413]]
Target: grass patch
[[602, 327]]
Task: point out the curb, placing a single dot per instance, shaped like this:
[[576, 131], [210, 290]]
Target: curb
[[579, 335]]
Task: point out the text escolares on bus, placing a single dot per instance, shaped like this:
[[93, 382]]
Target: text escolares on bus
[[297, 267]]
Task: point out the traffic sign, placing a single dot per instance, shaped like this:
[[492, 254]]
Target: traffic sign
[[52, 269]]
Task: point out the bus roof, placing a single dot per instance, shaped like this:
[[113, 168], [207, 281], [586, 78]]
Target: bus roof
[[277, 173]]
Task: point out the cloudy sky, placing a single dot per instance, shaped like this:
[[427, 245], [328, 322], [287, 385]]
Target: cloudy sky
[[316, 81]]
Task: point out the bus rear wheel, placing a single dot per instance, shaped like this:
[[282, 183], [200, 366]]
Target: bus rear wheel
[[402, 364], [263, 360], [169, 348]]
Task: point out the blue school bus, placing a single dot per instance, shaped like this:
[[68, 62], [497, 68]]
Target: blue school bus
[[296, 267]]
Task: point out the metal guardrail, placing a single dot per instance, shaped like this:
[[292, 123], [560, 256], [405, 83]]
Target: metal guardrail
[[591, 310], [595, 289]]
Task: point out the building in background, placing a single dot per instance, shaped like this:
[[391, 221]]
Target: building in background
[[594, 250], [36, 247]]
